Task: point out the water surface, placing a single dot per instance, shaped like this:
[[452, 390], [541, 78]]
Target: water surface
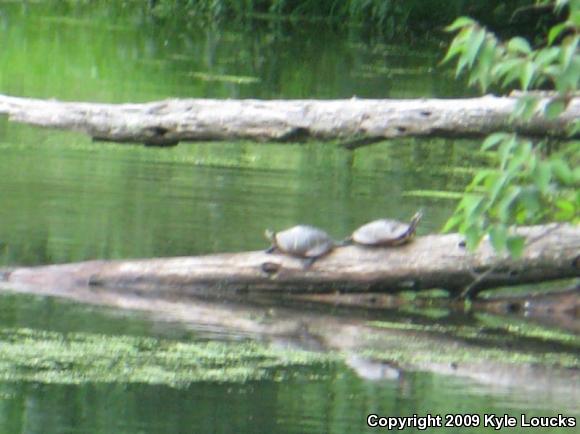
[[318, 394], [67, 199]]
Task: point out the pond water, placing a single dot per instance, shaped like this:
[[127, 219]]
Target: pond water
[[66, 199]]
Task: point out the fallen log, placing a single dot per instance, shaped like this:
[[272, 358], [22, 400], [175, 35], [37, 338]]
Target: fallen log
[[354, 122], [433, 261]]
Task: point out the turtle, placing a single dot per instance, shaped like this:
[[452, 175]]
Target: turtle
[[301, 241], [385, 232]]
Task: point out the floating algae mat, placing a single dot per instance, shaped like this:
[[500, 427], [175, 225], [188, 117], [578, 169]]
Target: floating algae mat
[[73, 358], [80, 357], [490, 340]]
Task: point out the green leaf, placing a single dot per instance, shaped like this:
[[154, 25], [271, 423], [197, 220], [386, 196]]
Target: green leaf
[[515, 245], [546, 56], [505, 150], [481, 177], [492, 140], [473, 46], [519, 45], [498, 187], [521, 155], [485, 61], [553, 71], [568, 79], [470, 205], [562, 171], [532, 163], [505, 67], [543, 176], [530, 201], [515, 73], [457, 47], [566, 210], [555, 108], [491, 179], [555, 32], [568, 50], [472, 237], [506, 202], [527, 74], [526, 107], [574, 18], [452, 223], [498, 237], [460, 23], [576, 175], [465, 37], [574, 129]]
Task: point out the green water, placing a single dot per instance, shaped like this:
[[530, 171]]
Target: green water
[[67, 199], [90, 370]]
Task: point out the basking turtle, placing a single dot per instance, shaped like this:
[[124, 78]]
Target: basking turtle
[[385, 232], [301, 241]]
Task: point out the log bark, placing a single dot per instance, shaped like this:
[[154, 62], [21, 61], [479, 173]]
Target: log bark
[[354, 122], [434, 261]]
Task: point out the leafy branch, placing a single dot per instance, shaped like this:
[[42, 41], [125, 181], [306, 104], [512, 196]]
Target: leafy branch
[[529, 183]]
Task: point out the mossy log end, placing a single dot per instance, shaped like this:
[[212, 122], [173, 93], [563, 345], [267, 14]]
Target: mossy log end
[[434, 261], [353, 122]]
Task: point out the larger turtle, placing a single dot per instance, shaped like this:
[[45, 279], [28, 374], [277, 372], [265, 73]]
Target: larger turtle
[[301, 241], [385, 232]]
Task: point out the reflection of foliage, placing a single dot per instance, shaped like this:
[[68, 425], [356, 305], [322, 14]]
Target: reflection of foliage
[[387, 17], [531, 183]]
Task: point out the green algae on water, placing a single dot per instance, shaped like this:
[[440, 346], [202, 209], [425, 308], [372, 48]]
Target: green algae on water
[[504, 342], [73, 358]]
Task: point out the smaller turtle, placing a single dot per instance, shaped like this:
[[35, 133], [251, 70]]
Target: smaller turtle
[[301, 241], [385, 232]]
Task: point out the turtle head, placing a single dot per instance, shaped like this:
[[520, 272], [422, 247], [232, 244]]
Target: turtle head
[[416, 219], [270, 235]]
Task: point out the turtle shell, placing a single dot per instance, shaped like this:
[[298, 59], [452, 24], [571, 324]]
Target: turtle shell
[[303, 241], [386, 232]]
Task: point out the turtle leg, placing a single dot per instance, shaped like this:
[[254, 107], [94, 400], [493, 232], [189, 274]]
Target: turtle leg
[[346, 242], [309, 261], [270, 249]]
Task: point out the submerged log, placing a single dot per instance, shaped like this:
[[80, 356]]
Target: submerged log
[[355, 122], [434, 261]]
